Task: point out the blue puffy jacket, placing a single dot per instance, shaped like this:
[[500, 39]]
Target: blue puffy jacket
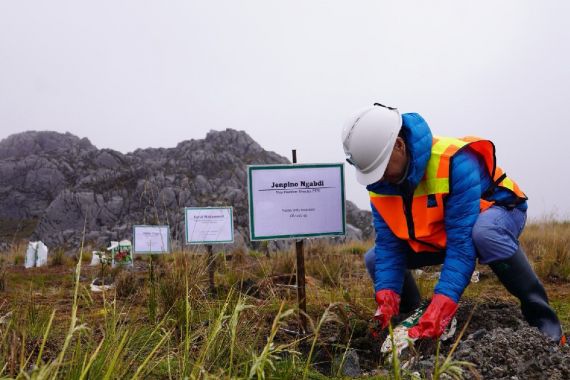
[[469, 180]]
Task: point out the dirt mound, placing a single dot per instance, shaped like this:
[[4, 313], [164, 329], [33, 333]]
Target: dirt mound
[[505, 352], [500, 345]]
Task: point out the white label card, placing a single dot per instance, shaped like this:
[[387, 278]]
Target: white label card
[[209, 225], [151, 239]]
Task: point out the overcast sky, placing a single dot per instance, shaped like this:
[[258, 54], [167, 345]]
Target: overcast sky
[[136, 74]]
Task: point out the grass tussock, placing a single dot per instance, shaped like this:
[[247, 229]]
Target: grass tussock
[[57, 257]]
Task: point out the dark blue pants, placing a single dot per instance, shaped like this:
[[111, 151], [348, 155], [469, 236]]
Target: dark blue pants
[[495, 236]]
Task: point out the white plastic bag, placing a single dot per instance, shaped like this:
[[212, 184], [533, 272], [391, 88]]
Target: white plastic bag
[[95, 259], [31, 255], [41, 254], [101, 287], [36, 255]]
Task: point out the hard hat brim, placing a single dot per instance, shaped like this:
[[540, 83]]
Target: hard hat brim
[[374, 175]]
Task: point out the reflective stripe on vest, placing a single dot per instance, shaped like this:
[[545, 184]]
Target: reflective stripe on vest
[[419, 218]]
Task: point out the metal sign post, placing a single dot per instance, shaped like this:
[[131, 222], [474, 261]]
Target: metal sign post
[[151, 240], [209, 225], [301, 294], [211, 268], [296, 201]]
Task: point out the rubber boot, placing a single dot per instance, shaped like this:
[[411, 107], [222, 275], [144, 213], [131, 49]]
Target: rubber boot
[[520, 280], [410, 297]]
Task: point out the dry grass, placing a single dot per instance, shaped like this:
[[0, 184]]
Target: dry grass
[[238, 332], [548, 247]]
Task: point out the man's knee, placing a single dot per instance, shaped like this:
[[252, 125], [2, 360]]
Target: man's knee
[[482, 235], [492, 242]]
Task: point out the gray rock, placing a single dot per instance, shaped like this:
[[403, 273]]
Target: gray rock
[[361, 219], [36, 143], [351, 367], [353, 233]]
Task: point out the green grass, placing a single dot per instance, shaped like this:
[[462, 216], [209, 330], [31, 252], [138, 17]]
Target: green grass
[[562, 308]]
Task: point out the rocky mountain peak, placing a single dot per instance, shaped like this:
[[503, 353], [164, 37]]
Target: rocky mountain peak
[[53, 183], [39, 142]]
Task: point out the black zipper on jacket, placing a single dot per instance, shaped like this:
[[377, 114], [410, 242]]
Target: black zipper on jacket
[[408, 198]]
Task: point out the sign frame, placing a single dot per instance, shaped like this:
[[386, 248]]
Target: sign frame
[[206, 242], [251, 168], [168, 246]]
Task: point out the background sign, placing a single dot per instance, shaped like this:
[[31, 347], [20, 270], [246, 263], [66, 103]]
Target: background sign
[[209, 225], [290, 201], [121, 253], [151, 239]]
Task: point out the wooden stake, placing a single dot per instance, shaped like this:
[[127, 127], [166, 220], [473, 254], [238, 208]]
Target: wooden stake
[[301, 294], [211, 268]]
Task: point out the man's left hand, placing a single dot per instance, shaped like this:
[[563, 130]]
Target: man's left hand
[[435, 319]]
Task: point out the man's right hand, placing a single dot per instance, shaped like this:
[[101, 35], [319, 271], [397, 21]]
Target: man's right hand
[[388, 306]]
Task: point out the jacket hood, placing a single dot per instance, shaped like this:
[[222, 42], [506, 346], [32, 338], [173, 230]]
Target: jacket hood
[[418, 138]]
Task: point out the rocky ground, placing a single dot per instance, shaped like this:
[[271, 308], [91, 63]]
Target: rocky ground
[[497, 342], [501, 345]]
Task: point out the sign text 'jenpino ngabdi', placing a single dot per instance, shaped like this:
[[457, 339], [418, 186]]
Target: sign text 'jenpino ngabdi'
[[296, 185]]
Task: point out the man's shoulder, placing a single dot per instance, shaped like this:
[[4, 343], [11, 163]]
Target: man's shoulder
[[467, 169]]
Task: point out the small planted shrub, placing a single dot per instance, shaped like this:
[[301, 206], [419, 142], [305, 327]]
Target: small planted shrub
[[57, 258], [18, 260], [126, 284], [355, 249]]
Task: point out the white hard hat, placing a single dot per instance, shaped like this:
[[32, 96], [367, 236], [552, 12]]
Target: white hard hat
[[368, 139]]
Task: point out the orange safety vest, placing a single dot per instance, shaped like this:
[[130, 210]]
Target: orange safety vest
[[419, 218]]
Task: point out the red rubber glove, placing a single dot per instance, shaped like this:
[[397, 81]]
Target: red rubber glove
[[435, 319], [388, 305]]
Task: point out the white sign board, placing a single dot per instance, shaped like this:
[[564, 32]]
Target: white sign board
[[209, 225], [151, 239], [291, 201]]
